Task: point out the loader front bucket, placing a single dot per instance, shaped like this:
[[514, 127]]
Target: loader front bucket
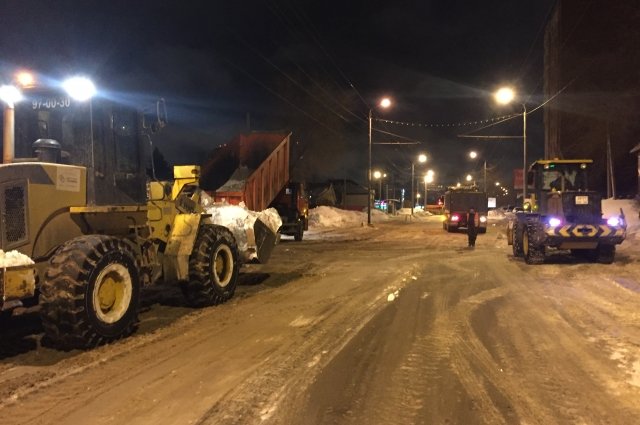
[[266, 240]]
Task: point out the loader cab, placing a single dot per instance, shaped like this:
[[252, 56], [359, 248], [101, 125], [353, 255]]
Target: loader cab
[[560, 175], [102, 135], [554, 182]]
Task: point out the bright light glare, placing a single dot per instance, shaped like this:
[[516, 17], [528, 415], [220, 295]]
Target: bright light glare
[[79, 88], [428, 178], [554, 222], [385, 103], [469, 178], [505, 95], [497, 183], [10, 95], [614, 221], [422, 158], [377, 174], [483, 219], [473, 154], [25, 79], [455, 217]]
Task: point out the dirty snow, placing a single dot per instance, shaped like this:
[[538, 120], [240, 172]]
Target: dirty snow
[[240, 221], [237, 181], [13, 259]]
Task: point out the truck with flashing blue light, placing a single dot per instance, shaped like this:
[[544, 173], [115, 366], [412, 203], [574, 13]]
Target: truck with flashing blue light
[[562, 213]]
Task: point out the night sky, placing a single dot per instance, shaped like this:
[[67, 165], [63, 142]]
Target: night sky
[[313, 68]]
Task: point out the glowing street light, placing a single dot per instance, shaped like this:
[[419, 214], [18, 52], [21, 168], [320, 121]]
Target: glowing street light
[[504, 95], [384, 103], [469, 177]]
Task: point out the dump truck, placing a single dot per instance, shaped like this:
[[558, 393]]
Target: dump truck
[[456, 204], [253, 169], [562, 213], [77, 205]]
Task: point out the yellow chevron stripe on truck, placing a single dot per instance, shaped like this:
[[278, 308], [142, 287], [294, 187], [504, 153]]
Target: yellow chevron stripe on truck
[[585, 231]]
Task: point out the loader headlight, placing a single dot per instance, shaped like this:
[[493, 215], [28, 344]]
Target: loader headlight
[[10, 95], [79, 88], [614, 221], [554, 222]]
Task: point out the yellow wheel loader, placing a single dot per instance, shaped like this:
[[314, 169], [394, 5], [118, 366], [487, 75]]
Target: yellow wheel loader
[[76, 204]]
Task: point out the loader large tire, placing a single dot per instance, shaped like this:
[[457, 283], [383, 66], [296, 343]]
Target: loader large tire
[[516, 241], [531, 251], [90, 293], [605, 254], [213, 267]]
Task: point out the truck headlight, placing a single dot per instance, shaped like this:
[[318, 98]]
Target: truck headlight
[[483, 219]]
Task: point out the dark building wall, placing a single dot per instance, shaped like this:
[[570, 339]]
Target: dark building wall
[[592, 59]]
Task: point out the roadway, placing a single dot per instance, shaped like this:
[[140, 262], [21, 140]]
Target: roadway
[[396, 324]]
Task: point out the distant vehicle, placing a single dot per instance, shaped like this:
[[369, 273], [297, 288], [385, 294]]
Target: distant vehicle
[[563, 213], [457, 202]]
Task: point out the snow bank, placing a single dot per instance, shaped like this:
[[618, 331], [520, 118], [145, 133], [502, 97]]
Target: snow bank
[[496, 214], [335, 217], [13, 259], [631, 209], [326, 217]]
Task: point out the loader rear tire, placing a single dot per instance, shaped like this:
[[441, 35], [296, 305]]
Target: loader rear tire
[[533, 254], [90, 293], [516, 242], [213, 267]]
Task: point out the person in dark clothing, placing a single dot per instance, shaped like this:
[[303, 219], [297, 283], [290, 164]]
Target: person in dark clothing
[[473, 222]]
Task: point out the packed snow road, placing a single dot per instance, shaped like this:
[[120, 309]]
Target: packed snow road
[[396, 324]]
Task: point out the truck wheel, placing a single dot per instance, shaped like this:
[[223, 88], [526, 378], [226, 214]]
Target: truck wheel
[[213, 267], [90, 293], [482, 230], [533, 254], [299, 231], [516, 242], [605, 254]]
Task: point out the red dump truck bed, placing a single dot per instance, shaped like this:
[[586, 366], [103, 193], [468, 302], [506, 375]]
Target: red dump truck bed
[[253, 168]]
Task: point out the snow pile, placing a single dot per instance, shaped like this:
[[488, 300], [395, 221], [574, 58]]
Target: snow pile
[[240, 222], [335, 217], [630, 208], [496, 214], [13, 259], [326, 217]]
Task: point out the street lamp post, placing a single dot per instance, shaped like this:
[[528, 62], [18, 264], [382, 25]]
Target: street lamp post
[[428, 178], [369, 176], [385, 103], [504, 96], [421, 158], [474, 155]]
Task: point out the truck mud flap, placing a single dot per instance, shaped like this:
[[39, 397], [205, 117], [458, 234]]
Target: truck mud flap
[[266, 240]]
